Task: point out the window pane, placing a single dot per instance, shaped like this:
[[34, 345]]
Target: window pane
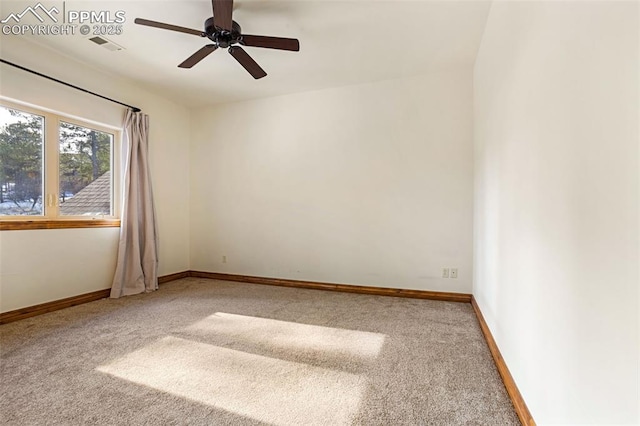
[[21, 148], [85, 171]]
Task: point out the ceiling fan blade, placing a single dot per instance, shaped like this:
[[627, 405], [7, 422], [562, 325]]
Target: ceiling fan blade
[[222, 11], [198, 56], [271, 42], [247, 62], [164, 26]]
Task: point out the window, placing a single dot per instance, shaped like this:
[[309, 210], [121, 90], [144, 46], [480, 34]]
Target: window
[[21, 168], [84, 167], [55, 169]]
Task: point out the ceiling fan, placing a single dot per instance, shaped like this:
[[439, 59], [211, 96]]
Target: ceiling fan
[[224, 32]]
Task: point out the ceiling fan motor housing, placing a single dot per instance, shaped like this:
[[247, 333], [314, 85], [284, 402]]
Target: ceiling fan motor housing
[[220, 36]]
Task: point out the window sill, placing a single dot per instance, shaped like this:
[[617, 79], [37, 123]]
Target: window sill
[[17, 225]]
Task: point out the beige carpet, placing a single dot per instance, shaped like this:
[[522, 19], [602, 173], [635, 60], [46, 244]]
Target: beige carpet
[[204, 352]]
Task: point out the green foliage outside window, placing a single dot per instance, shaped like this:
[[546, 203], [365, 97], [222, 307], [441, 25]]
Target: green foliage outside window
[[21, 146], [85, 155]]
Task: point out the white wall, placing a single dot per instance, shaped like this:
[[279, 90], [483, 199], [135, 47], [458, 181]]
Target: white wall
[[556, 204], [368, 184], [45, 265]]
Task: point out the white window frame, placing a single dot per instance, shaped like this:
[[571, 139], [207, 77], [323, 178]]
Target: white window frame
[[51, 217]]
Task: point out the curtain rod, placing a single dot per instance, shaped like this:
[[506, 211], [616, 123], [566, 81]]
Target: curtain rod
[[135, 109]]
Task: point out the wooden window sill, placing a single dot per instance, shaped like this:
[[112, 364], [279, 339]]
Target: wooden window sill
[[17, 225]]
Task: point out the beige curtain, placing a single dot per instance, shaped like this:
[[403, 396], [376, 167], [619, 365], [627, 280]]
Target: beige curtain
[[137, 267]]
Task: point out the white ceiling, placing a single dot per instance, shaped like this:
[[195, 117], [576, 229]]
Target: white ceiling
[[341, 43]]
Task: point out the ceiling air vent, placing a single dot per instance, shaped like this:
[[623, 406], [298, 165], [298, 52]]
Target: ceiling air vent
[[107, 44]]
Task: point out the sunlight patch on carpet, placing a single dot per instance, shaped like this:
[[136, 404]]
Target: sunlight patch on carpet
[[262, 388], [291, 336]]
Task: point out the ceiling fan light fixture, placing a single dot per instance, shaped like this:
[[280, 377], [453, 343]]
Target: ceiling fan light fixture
[[224, 32]]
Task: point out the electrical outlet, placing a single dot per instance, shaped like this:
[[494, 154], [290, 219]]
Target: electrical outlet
[[454, 272], [445, 272], [224, 259]]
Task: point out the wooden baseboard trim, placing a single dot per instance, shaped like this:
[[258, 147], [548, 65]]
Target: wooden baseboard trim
[[55, 305], [347, 288], [43, 308], [516, 398], [172, 277]]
